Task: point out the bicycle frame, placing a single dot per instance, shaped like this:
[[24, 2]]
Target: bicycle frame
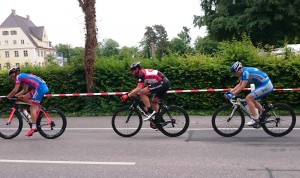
[[16, 107], [238, 103]]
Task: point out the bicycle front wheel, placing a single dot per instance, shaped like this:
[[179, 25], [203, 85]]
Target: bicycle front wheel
[[126, 122], [280, 120], [173, 121], [228, 122], [12, 129], [51, 123]]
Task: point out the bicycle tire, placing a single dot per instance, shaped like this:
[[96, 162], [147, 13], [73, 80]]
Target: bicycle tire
[[14, 128], [223, 126], [273, 125], [126, 122], [173, 121], [54, 129]]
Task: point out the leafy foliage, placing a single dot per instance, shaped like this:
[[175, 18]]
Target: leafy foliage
[[190, 72], [266, 22]]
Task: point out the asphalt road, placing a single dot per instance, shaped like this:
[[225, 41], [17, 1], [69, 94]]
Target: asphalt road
[[90, 148]]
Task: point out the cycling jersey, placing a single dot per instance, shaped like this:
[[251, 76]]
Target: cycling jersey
[[158, 83], [254, 75], [150, 76], [29, 79], [261, 79], [39, 86]]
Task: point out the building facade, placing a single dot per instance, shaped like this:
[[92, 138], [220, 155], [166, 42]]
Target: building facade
[[23, 43]]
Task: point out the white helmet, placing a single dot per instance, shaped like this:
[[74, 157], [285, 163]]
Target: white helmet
[[236, 66]]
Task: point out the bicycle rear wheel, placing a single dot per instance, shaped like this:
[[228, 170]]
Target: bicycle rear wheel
[[51, 123], [280, 120], [13, 129], [173, 121], [225, 125], [126, 122]]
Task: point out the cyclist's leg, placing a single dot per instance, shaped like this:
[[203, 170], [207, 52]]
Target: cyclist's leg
[[159, 94], [37, 97], [144, 96], [258, 93]]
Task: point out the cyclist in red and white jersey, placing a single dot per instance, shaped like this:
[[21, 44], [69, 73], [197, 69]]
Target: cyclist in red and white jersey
[[157, 84]]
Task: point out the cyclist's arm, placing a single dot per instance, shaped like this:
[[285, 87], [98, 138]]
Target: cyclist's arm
[[23, 91], [14, 91], [135, 91], [237, 89]]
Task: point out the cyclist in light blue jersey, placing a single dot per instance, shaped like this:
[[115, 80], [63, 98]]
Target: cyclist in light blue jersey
[[34, 97], [263, 86]]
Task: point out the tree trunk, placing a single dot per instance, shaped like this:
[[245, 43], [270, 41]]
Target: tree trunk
[[88, 8]]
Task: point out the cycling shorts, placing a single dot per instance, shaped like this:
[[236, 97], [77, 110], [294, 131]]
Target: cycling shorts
[[262, 90], [160, 88], [38, 94]]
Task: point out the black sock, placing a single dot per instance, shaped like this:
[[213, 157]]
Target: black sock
[[149, 110]]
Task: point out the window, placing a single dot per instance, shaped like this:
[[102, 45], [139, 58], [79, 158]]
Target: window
[[16, 53], [0, 67], [42, 54], [25, 53], [22, 42], [6, 42], [4, 32], [17, 64], [7, 54], [38, 53], [15, 41], [14, 32]]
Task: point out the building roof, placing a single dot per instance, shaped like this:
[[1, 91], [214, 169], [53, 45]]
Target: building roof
[[25, 24]]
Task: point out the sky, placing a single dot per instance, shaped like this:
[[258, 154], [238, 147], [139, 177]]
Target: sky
[[121, 20]]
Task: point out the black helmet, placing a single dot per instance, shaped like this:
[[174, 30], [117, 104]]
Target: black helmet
[[135, 65], [13, 70]]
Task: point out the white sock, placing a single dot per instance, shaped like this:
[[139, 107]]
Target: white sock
[[33, 126]]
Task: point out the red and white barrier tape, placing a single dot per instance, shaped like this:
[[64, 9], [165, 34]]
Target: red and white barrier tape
[[170, 91]]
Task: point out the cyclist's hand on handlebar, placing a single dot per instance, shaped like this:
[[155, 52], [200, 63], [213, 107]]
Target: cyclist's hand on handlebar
[[125, 97], [228, 95]]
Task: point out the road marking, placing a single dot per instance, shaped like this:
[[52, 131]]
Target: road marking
[[152, 129], [68, 162]]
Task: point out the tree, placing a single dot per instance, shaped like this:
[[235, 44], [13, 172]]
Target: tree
[[206, 45], [268, 22], [89, 10], [155, 42], [162, 43], [128, 52], [65, 49], [148, 42], [109, 48], [181, 44]]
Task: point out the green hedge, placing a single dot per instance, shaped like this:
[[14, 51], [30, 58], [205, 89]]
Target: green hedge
[[191, 72]]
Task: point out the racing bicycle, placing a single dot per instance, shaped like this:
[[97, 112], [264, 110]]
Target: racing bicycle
[[171, 120], [51, 123], [276, 119]]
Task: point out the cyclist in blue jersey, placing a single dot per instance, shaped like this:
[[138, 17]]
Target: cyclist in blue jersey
[[34, 96], [263, 86]]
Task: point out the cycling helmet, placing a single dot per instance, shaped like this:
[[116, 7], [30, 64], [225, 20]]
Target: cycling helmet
[[13, 70], [236, 66], [135, 65]]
